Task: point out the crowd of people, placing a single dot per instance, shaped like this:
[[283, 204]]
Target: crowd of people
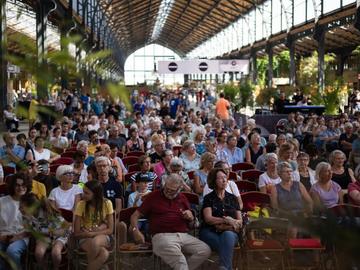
[[307, 168]]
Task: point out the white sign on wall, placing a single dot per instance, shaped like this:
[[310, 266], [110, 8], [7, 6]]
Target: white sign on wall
[[203, 66]]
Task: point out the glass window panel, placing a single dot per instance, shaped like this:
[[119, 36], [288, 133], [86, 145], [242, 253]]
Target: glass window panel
[[259, 25], [346, 2], [331, 5], [276, 19], [310, 10], [286, 14], [299, 10]]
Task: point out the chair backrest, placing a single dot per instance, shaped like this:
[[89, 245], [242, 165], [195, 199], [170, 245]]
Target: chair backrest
[[246, 186], [3, 190], [120, 155], [133, 168], [63, 161], [8, 170], [125, 214], [191, 175], [192, 197], [177, 150], [102, 141], [53, 167], [135, 154], [57, 150], [251, 175], [349, 210], [242, 166], [233, 176], [254, 198], [68, 154], [71, 149], [130, 161], [67, 215]]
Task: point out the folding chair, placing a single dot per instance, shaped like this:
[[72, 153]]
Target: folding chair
[[3, 190], [176, 150], [254, 198], [53, 168], [246, 186], [8, 170], [135, 154], [63, 161], [133, 168], [267, 249], [68, 154], [130, 161], [242, 166], [195, 205], [233, 176], [191, 175], [129, 249], [120, 155], [251, 175]]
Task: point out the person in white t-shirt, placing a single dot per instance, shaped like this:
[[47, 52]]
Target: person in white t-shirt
[[39, 152], [94, 123], [67, 195], [270, 177]]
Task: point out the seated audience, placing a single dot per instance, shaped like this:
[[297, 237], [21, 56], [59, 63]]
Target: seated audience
[[325, 192], [51, 229], [190, 158], [304, 173], [13, 237], [67, 194], [222, 219], [94, 224], [169, 216], [341, 173], [270, 177]]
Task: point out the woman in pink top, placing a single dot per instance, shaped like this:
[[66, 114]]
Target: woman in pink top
[[163, 166]]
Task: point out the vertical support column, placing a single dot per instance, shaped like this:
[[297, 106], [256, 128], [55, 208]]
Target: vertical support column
[[217, 78], [270, 74], [290, 43], [186, 79], [319, 36], [231, 76], [357, 15], [253, 67], [42, 10], [3, 53], [78, 67], [64, 71]]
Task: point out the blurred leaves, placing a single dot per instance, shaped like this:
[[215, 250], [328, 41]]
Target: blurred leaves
[[119, 92]]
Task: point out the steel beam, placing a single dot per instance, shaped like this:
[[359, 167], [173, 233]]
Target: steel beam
[[269, 51], [3, 53], [319, 36], [292, 70]]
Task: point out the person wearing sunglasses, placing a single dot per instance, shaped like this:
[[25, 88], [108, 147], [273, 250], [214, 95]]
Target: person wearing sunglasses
[[67, 195]]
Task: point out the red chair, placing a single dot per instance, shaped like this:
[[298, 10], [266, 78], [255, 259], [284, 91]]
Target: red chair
[[53, 168], [242, 166], [3, 190], [191, 175], [346, 210], [68, 154], [120, 155], [133, 168], [251, 175], [176, 150], [67, 214], [71, 149], [102, 141], [63, 161], [135, 154], [130, 161], [233, 176], [8, 170], [306, 244], [192, 197], [254, 198], [246, 186]]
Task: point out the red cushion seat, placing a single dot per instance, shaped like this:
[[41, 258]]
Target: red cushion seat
[[264, 244], [311, 243]]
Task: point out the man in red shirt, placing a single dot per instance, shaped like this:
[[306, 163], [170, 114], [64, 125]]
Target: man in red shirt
[[169, 216]]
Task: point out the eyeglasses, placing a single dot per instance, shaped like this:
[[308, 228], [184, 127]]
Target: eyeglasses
[[69, 174]]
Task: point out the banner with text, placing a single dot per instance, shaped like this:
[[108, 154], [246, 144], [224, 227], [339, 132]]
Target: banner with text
[[203, 66]]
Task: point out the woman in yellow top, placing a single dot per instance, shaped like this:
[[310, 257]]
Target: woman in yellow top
[[94, 224]]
